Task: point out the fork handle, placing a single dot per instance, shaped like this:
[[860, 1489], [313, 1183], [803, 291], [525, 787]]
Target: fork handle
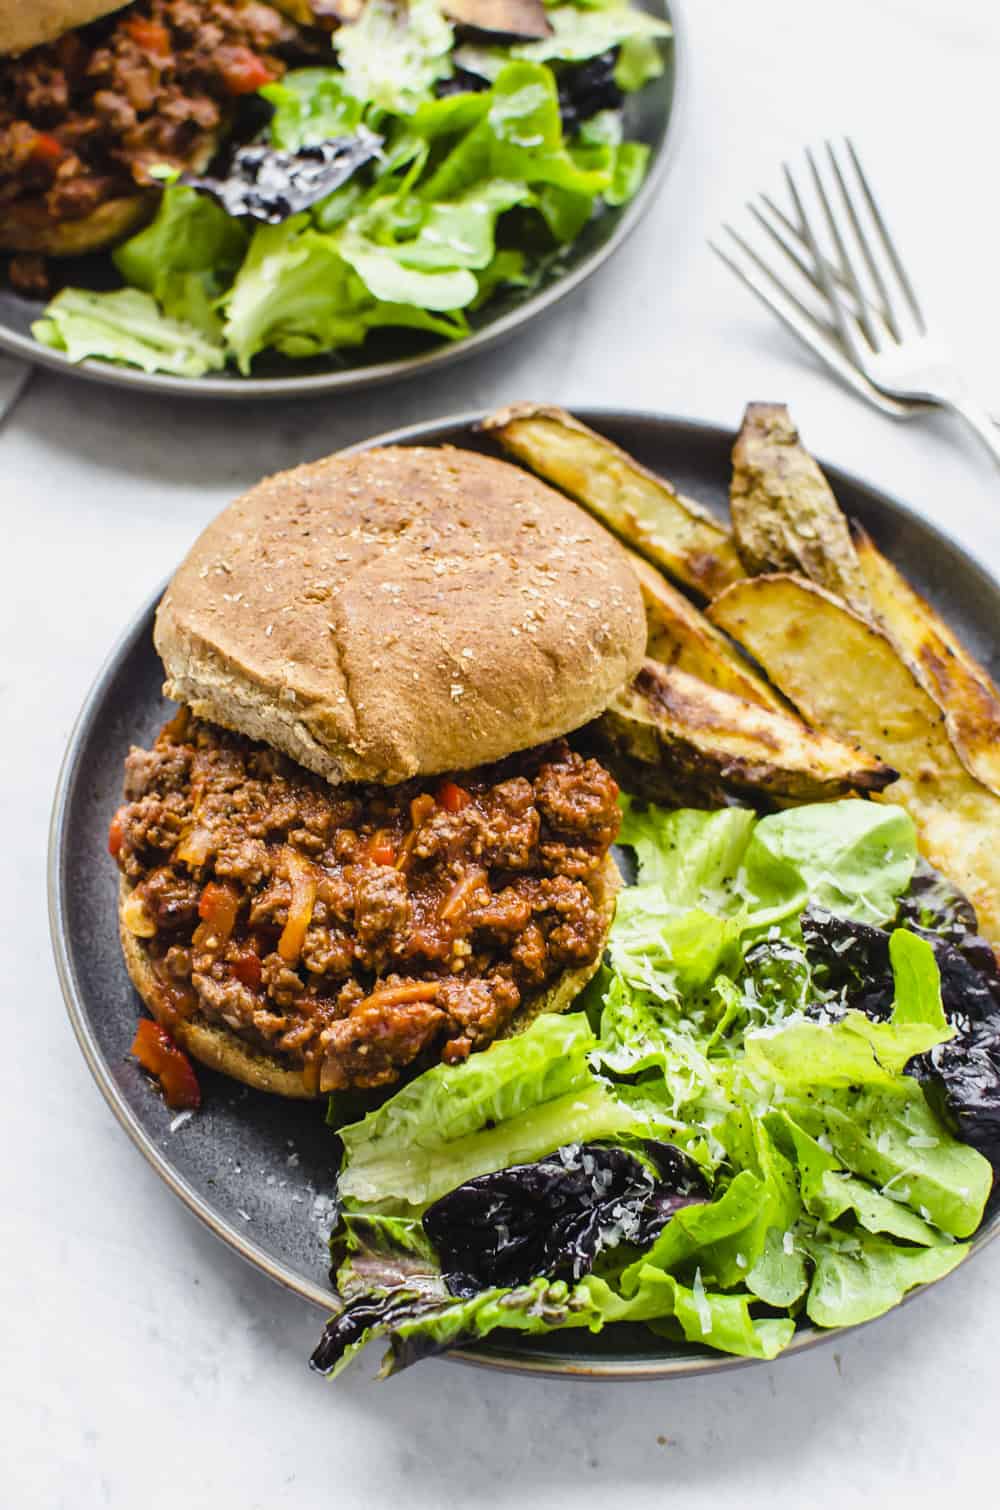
[[979, 421]]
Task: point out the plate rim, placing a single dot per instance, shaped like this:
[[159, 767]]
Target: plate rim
[[355, 379], [494, 1355]]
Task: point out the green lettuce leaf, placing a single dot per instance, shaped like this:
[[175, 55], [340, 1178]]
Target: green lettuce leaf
[[639, 61], [852, 857], [311, 105], [518, 140], [439, 245], [830, 1192], [392, 56], [296, 292], [693, 857], [126, 326], [855, 1050], [859, 1277], [663, 951], [579, 33], [894, 1141], [628, 169], [513, 1103]]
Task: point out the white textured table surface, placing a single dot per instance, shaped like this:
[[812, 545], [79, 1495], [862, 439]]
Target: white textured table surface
[[143, 1364]]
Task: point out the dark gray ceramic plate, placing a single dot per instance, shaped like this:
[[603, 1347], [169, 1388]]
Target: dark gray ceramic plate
[[651, 117], [257, 1170]]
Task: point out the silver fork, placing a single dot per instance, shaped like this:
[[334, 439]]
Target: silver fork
[[893, 349], [819, 334], [870, 329]]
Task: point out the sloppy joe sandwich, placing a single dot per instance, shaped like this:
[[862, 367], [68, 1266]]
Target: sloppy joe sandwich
[[364, 841], [96, 96]]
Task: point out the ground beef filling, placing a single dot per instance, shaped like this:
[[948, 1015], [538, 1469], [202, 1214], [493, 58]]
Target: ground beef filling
[[350, 930], [83, 119]]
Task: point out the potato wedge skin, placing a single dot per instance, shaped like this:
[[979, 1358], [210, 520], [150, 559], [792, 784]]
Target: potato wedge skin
[[844, 675], [641, 508], [680, 635], [686, 742], [785, 517], [962, 689]]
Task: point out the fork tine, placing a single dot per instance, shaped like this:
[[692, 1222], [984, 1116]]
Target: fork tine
[[887, 241], [820, 325], [888, 309], [817, 337], [789, 237], [847, 328], [779, 239], [847, 263]]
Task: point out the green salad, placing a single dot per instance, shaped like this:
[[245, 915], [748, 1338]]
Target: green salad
[[740, 1130], [467, 168]]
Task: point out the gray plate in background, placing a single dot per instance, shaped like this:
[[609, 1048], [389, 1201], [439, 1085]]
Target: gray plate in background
[[651, 116]]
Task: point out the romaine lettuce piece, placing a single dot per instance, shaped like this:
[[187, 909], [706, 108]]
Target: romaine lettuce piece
[[296, 292], [514, 1102], [126, 326]]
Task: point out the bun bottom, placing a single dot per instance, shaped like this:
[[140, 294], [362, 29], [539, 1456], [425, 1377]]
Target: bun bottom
[[28, 227], [221, 1049]]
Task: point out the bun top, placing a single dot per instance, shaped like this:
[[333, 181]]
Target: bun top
[[26, 23], [401, 612]]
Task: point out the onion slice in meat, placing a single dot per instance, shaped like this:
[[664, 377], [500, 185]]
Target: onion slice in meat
[[300, 908]]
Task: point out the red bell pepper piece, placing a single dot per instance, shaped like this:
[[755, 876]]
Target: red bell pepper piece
[[116, 834], [243, 71], [159, 1055], [47, 150], [246, 967], [149, 35], [452, 797]]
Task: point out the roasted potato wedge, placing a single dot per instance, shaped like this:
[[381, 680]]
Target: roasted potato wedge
[[965, 693], [681, 741], [844, 675], [785, 517], [642, 509], [678, 634]]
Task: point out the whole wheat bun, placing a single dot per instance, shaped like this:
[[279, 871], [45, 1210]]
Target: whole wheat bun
[[28, 23], [221, 1049], [401, 612]]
